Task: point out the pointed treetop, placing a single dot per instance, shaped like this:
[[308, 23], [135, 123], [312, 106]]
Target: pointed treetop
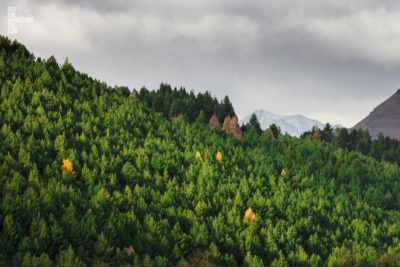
[[129, 250], [316, 133], [218, 156], [227, 123], [67, 165], [198, 156], [213, 121], [234, 127], [249, 215]]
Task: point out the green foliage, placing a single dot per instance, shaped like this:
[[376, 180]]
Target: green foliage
[[175, 102], [253, 126], [381, 148], [327, 133], [274, 130], [137, 196], [67, 258]]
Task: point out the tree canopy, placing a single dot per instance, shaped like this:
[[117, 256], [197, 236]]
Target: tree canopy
[[173, 102], [382, 148], [91, 175]]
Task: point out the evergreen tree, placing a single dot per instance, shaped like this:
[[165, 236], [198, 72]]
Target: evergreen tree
[[275, 130], [327, 133]]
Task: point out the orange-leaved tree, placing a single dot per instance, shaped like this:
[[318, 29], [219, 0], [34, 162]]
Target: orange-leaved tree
[[67, 166], [249, 215]]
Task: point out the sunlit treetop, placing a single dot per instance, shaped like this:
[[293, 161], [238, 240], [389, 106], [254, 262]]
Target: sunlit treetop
[[249, 215], [67, 165], [198, 156], [218, 157]]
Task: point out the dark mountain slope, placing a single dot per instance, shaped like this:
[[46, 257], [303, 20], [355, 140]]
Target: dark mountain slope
[[384, 118]]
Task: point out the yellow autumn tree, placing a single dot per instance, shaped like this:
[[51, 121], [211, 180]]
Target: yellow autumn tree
[[283, 173], [249, 215], [129, 250], [218, 157], [67, 165], [198, 156]]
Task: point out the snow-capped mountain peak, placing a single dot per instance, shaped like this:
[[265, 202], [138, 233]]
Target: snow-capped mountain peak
[[292, 124]]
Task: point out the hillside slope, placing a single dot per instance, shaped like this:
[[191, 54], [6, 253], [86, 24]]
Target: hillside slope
[[91, 176], [384, 118]]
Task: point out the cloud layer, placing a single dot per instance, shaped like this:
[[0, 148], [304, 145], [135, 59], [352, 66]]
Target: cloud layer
[[330, 60]]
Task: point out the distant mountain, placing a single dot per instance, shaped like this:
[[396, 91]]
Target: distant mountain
[[384, 118], [293, 124]]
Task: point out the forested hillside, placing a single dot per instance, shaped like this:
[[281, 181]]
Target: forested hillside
[[91, 175]]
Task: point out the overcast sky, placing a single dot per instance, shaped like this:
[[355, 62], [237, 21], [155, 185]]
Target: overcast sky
[[331, 60]]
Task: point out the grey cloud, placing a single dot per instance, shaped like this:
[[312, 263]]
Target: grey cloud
[[332, 60]]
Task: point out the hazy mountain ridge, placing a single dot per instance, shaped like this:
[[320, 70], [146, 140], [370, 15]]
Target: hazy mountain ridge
[[292, 124]]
